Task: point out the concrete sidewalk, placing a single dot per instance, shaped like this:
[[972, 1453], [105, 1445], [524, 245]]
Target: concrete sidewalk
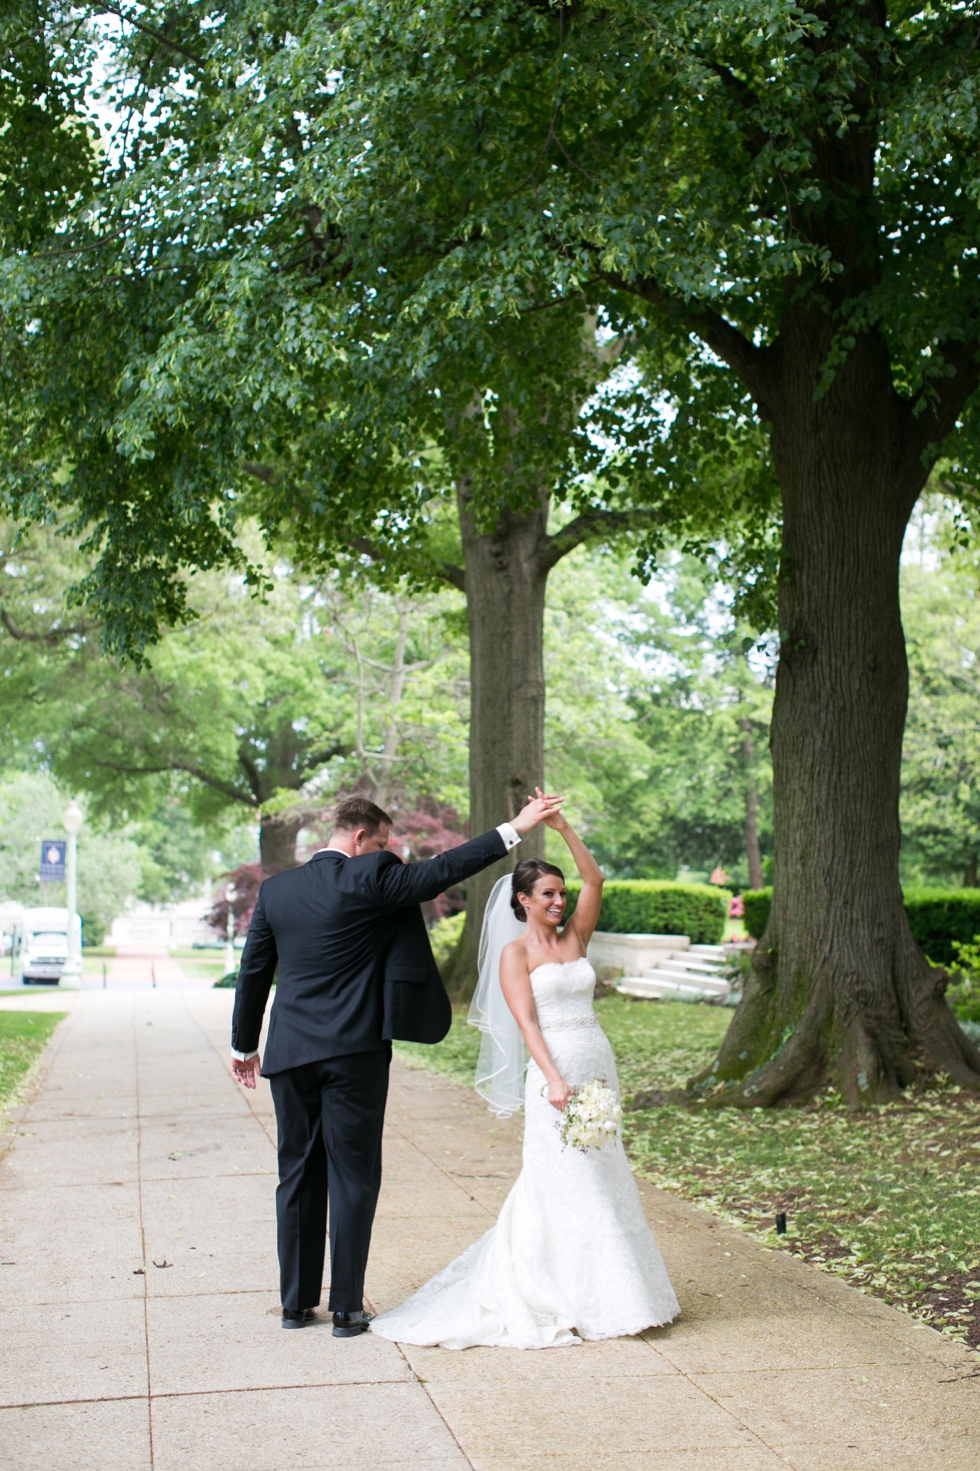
[[149, 965], [139, 1322]]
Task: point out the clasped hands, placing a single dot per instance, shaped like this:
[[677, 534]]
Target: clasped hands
[[540, 808]]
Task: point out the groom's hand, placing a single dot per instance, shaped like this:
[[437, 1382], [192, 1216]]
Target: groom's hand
[[246, 1072], [537, 809]]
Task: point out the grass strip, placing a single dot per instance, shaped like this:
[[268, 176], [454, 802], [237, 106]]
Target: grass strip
[[23, 1035], [888, 1199], [202, 970]]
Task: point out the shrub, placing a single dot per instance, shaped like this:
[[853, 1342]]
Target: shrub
[[964, 995], [93, 928], [445, 935], [758, 903], [648, 907], [938, 918]]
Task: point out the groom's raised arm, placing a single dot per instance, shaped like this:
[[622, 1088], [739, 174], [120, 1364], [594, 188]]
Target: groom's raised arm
[[412, 883]]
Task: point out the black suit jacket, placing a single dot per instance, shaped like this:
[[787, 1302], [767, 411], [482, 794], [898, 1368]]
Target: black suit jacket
[[355, 964]]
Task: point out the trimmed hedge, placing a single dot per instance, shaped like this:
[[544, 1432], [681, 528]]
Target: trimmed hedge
[[758, 903], [649, 907], [937, 918]]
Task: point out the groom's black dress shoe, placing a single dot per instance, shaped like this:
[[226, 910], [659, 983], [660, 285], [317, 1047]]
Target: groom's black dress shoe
[[349, 1325], [298, 1317]]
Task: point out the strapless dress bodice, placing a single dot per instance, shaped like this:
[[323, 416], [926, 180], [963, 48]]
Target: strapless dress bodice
[[563, 992]]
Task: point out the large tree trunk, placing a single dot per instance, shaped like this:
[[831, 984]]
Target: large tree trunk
[[753, 853], [506, 579], [839, 991], [277, 842]]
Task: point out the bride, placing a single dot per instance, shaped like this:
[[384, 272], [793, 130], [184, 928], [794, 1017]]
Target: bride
[[571, 1256]]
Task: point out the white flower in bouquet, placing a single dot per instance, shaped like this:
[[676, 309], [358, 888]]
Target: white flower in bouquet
[[591, 1118]]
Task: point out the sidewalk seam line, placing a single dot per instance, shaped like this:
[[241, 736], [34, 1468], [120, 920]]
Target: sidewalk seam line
[[423, 1385], [146, 1299], [443, 1171]]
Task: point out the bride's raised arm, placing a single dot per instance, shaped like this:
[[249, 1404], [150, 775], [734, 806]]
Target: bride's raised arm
[[586, 915]]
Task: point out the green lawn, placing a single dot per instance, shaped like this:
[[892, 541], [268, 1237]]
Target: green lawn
[[888, 1199], [202, 970], [22, 1037]]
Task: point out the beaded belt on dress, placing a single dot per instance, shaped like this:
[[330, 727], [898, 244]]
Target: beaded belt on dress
[[562, 1023]]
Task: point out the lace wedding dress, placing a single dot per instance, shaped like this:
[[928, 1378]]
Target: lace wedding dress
[[571, 1256]]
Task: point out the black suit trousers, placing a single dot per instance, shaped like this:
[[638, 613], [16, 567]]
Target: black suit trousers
[[330, 1117]]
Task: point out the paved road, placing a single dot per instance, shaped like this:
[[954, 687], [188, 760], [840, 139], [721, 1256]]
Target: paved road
[[139, 1320]]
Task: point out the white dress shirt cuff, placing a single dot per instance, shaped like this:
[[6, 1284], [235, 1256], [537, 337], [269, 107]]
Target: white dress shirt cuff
[[244, 1056], [510, 835]]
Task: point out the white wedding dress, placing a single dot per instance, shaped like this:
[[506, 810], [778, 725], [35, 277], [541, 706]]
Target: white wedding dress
[[571, 1256]]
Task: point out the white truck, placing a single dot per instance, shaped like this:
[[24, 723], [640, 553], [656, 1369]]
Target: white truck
[[40, 946]]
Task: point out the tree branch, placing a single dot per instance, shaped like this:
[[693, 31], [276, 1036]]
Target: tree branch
[[317, 758], [138, 25], [215, 782], [448, 571], [252, 773], [593, 526], [938, 420], [747, 360], [455, 576], [53, 636], [265, 473], [746, 98]]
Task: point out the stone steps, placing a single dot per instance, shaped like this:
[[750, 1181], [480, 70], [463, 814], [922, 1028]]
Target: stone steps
[[684, 966], [647, 988], [698, 974]]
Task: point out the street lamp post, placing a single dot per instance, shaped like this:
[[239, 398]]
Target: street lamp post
[[71, 976], [231, 894]]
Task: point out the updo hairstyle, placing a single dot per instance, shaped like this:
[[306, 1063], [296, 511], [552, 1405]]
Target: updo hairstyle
[[526, 875]]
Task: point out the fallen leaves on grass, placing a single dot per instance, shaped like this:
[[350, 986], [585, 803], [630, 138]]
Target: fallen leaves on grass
[[888, 1199]]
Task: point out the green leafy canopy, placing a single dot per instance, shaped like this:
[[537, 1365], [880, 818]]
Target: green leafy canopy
[[334, 253], [253, 310]]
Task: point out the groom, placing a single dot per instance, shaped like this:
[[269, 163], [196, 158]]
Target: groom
[[355, 970]]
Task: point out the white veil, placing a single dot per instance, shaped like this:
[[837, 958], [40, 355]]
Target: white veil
[[500, 1070]]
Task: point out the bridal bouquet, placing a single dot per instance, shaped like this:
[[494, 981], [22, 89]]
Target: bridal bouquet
[[592, 1116]]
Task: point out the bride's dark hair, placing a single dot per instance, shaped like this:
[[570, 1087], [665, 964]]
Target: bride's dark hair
[[526, 875]]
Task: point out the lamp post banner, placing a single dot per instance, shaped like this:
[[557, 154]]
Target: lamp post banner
[[52, 861]]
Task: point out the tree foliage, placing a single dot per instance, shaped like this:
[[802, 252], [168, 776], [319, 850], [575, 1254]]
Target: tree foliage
[[651, 702], [941, 754], [257, 711], [243, 314], [336, 250]]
